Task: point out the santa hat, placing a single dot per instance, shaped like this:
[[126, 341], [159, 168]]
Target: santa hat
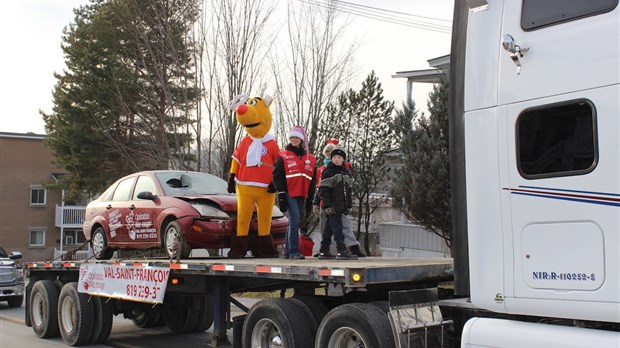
[[331, 143], [299, 132]]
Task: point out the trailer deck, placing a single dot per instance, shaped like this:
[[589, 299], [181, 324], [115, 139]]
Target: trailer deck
[[351, 273]]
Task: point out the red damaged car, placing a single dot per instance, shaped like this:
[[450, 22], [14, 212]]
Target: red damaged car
[[176, 210]]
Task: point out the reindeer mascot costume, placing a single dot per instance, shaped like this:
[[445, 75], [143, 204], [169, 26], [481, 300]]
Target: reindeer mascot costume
[[251, 177]]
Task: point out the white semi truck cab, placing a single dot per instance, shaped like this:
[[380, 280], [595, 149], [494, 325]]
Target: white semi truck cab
[[541, 117]]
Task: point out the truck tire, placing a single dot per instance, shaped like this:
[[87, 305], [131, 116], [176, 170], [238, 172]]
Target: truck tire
[[277, 323], [150, 317], [310, 316], [316, 306], [16, 301], [99, 244], [175, 245], [205, 315], [355, 325], [180, 314], [43, 309], [102, 319], [75, 315]]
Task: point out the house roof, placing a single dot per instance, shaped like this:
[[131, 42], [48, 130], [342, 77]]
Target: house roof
[[28, 135], [426, 75]]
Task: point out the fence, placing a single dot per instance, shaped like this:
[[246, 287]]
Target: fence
[[70, 216], [409, 240]]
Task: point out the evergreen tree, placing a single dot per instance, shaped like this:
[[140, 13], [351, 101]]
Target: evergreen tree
[[422, 185], [122, 105], [361, 121]]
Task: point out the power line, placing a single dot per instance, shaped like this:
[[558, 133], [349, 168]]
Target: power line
[[391, 11], [375, 13]]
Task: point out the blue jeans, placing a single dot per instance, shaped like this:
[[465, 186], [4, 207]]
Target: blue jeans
[[295, 205], [333, 227]]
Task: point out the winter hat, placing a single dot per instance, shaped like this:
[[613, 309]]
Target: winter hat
[[338, 151], [299, 132], [331, 143]]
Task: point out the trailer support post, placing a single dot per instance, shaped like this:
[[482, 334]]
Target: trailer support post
[[221, 307]]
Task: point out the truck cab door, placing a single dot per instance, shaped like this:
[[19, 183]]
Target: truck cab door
[[559, 114]]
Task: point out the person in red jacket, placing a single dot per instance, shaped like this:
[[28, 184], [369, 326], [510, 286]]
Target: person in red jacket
[[294, 179]]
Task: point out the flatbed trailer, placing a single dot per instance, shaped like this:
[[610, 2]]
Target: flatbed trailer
[[198, 293]]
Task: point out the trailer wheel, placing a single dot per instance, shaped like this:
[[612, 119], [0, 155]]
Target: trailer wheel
[[316, 306], [174, 241], [277, 323], [355, 325], [180, 315], [102, 319], [205, 315], [99, 243], [309, 316], [43, 309], [75, 315], [150, 317]]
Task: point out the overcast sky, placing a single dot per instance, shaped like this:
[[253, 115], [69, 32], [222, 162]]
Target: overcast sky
[[32, 29]]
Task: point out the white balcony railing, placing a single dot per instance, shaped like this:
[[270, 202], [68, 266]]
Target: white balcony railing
[[70, 216]]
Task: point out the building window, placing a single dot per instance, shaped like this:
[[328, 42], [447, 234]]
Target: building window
[[557, 140], [74, 237], [38, 196], [37, 237], [539, 14]]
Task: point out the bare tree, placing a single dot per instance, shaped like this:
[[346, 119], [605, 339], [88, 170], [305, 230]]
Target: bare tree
[[313, 67], [234, 43]]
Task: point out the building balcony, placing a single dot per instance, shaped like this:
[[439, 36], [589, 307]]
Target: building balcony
[[70, 216]]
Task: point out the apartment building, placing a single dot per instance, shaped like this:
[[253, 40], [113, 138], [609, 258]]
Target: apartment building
[[32, 217]]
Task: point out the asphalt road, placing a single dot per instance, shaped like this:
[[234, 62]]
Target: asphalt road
[[14, 333]]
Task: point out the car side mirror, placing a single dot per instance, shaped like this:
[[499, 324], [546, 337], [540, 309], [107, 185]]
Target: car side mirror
[[15, 255], [147, 195]]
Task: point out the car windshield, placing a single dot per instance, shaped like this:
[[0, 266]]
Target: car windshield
[[3, 253], [191, 183]]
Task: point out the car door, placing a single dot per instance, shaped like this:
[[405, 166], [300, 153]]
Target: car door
[[144, 214], [117, 210]]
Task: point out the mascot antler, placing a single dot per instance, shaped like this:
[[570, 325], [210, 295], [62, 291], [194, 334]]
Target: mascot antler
[[237, 100]]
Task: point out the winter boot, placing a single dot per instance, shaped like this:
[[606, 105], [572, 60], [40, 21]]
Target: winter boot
[[325, 254], [238, 247], [355, 250], [262, 247], [345, 254]]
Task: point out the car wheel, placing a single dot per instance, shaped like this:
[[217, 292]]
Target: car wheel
[[174, 241], [99, 244]]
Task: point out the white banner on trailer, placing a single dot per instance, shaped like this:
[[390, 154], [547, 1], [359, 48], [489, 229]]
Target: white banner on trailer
[[134, 283]]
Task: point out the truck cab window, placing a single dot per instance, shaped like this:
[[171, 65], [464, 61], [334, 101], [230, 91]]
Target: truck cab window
[[538, 14], [557, 140]]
